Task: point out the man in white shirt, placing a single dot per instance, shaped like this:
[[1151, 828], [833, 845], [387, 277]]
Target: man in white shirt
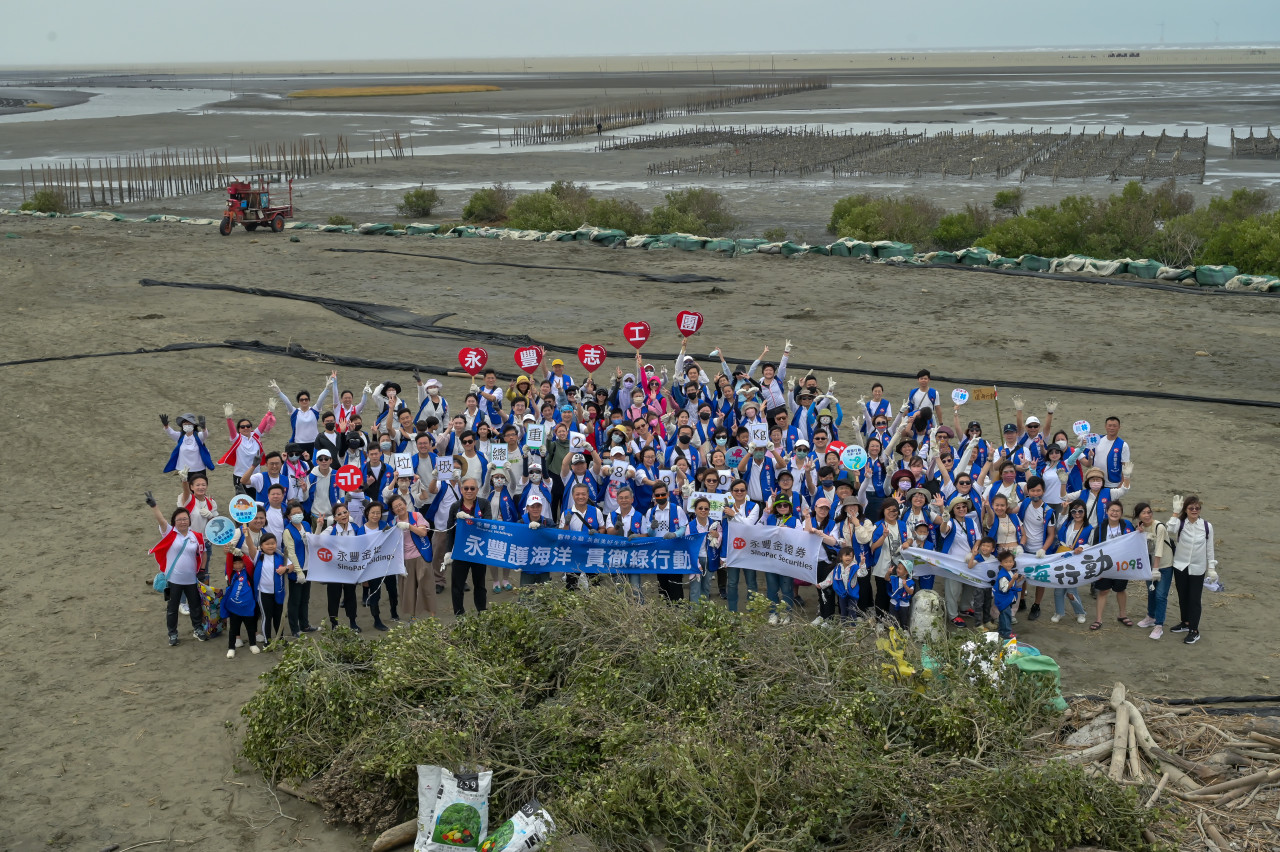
[[1103, 452]]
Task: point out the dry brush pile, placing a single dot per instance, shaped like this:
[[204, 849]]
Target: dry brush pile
[[696, 726]]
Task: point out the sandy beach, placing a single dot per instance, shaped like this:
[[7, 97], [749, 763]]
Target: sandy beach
[[116, 738]]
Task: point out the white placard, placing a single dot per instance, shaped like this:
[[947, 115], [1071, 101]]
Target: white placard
[[759, 434], [444, 469], [498, 454], [959, 396], [403, 464], [533, 437], [726, 478], [668, 478], [577, 442], [618, 471]]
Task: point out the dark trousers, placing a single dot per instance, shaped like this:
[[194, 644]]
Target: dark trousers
[[670, 588], [239, 486], [457, 586], [343, 594], [827, 596], [1190, 589], [192, 594], [299, 603], [722, 580], [270, 612], [234, 625], [373, 596], [882, 603]]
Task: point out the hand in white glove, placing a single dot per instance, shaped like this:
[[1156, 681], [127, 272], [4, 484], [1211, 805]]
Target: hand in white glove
[[181, 473], [1177, 504], [235, 551], [448, 560], [227, 410], [1062, 475], [367, 389], [862, 572], [670, 535], [786, 347], [404, 525], [301, 577], [1211, 576], [862, 400], [271, 404], [1018, 403], [533, 525], [272, 384], [475, 388], [464, 515], [1127, 469], [205, 513], [1051, 405], [1040, 553], [831, 384]]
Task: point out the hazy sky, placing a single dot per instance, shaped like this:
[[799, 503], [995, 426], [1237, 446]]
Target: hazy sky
[[62, 32]]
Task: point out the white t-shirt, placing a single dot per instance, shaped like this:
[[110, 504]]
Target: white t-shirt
[[182, 560], [1033, 523], [246, 454], [1100, 454], [320, 504], [275, 521], [266, 576], [198, 521]]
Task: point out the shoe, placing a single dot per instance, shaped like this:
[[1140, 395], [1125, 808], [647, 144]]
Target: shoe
[[239, 642], [958, 622], [1055, 618], [184, 609], [990, 626], [1013, 619], [395, 616], [1035, 612], [231, 654], [439, 588], [355, 627], [200, 634], [1158, 631], [497, 588], [378, 625], [1022, 604], [1193, 636], [1181, 628], [466, 587], [816, 621], [506, 587], [1080, 619], [969, 612], [773, 619], [255, 649], [310, 629], [1147, 622], [262, 639], [173, 639], [724, 596]]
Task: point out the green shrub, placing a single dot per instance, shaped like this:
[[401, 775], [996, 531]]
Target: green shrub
[[541, 211], [488, 205], [692, 211], [961, 230], [338, 219], [1008, 201], [46, 201], [908, 218], [419, 202], [775, 235], [1251, 245], [619, 213]]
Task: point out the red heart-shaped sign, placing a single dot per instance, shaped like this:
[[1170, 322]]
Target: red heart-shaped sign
[[636, 333], [472, 359], [688, 322], [591, 356], [528, 358]]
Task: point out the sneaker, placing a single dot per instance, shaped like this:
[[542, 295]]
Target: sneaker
[[1055, 618], [1080, 619], [310, 629], [1181, 628], [379, 626], [990, 626], [958, 622], [1035, 612], [262, 640], [239, 642], [506, 587], [1193, 636], [355, 627], [497, 588], [1158, 631], [255, 649], [184, 609], [969, 612], [173, 639], [773, 619], [816, 621], [231, 654], [200, 634], [1013, 619], [1147, 622], [439, 588]]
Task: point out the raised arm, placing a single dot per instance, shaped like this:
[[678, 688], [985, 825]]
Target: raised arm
[[330, 384], [288, 402], [155, 511]]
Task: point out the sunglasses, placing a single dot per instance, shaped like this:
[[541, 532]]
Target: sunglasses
[[882, 423], [1077, 511], [945, 458], [468, 488], [304, 399], [467, 442], [739, 491], [243, 427], [964, 482]]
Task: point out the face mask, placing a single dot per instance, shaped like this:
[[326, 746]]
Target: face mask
[[827, 483], [296, 519], [636, 400], [758, 456], [1063, 444], [433, 391], [904, 486], [706, 415], [684, 439], [499, 484], [187, 428], [1095, 485], [617, 439], [535, 477], [721, 442], [385, 446]]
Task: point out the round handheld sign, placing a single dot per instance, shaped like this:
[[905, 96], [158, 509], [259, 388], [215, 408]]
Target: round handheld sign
[[854, 458], [243, 509], [349, 477], [1081, 427], [1093, 438], [836, 447], [220, 530], [959, 396]]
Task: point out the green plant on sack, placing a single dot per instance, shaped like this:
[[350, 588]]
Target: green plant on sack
[[46, 201], [418, 202]]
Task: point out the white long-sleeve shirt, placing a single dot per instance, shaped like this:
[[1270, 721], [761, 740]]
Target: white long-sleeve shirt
[[1193, 545], [188, 448]]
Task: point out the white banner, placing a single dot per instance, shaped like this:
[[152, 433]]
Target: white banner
[[355, 558], [777, 550], [1122, 558]]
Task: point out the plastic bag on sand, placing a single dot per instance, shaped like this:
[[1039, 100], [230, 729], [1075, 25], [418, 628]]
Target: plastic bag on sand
[[461, 814], [428, 792], [524, 832]]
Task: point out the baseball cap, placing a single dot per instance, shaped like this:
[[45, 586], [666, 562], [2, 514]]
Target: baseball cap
[[431, 383], [324, 454], [528, 418], [1033, 421], [618, 451], [1009, 427], [557, 363], [576, 458]]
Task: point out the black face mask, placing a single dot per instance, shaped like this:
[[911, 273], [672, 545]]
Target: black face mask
[[684, 439], [706, 415]]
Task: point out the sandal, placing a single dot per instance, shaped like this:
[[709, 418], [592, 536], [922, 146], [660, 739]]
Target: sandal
[[1097, 625], [1125, 620]]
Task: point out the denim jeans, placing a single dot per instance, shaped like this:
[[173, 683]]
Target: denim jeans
[[700, 584], [1158, 598], [1006, 621], [1060, 597], [732, 591], [779, 589]]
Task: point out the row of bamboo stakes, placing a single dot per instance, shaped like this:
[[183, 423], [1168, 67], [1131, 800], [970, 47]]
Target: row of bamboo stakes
[[104, 181]]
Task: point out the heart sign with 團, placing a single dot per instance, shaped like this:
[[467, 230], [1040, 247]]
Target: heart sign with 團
[[1081, 427], [472, 359], [528, 358], [636, 333], [959, 396], [591, 356], [688, 322]]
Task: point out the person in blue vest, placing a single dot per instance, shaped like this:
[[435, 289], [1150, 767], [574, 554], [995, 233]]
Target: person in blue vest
[[580, 515], [342, 594], [901, 588], [922, 396], [665, 518], [709, 555], [887, 540], [269, 567], [470, 505], [387, 397], [758, 469], [628, 522], [1111, 456], [1039, 530], [303, 420], [273, 473], [190, 454], [1096, 496], [239, 608], [739, 512], [321, 492], [780, 589], [1005, 590], [295, 536], [1113, 525], [960, 534], [536, 513]]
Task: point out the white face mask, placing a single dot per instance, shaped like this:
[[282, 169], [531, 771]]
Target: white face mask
[[535, 477], [433, 391], [1094, 485], [297, 519], [187, 428], [1063, 444], [385, 446]]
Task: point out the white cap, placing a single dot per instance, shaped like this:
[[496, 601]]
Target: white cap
[[429, 382], [323, 454], [1033, 421], [528, 418], [534, 500], [617, 451]]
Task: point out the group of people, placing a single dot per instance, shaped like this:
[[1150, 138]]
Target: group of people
[[636, 455]]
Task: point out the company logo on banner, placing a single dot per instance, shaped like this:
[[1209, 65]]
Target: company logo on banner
[[355, 558], [777, 550], [1122, 558], [510, 545]]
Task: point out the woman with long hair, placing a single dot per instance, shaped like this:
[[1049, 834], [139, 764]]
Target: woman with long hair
[[1193, 562]]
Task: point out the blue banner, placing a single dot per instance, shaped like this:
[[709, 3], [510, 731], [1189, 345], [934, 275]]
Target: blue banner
[[511, 545]]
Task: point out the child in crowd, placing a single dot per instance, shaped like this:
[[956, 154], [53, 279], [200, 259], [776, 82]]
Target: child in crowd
[[1004, 591], [901, 588], [239, 608]]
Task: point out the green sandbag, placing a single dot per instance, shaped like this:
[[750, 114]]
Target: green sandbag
[[689, 243], [375, 228], [846, 247], [892, 248], [977, 257], [1144, 268], [1045, 668], [1034, 263], [337, 229], [749, 245], [1215, 276], [1004, 263], [421, 229], [945, 257], [822, 250], [789, 248], [721, 245]]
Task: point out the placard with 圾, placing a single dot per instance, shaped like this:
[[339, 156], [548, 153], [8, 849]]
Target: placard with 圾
[[533, 437], [959, 396], [854, 457], [403, 463], [243, 509], [219, 530], [444, 469]]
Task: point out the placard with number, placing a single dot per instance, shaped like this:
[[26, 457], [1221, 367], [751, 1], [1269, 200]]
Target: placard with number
[[577, 441], [668, 478], [726, 478]]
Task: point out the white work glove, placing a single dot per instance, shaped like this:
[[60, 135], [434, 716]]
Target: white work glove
[[786, 347], [533, 525], [181, 473], [864, 532], [1127, 469], [272, 384], [404, 525], [475, 388], [1051, 405], [1040, 553], [831, 384], [1018, 403], [1177, 504], [378, 390], [235, 551], [271, 403], [669, 535], [464, 515], [1062, 475], [328, 520], [205, 513], [227, 410], [448, 560], [301, 578], [368, 389], [1212, 574], [862, 572]]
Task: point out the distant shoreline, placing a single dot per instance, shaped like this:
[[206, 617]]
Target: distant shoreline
[[1106, 58]]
